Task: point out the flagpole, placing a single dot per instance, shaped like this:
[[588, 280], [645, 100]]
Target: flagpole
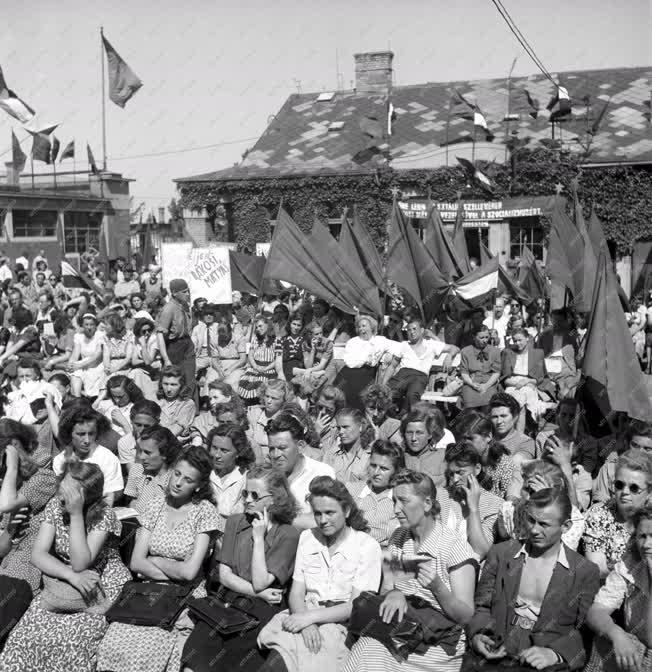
[[448, 123], [509, 105], [31, 161], [473, 146], [103, 99], [54, 171]]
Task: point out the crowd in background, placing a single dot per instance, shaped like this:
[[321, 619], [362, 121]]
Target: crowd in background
[[306, 488]]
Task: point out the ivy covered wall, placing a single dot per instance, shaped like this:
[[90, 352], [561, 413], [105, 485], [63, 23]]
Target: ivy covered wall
[[622, 195]]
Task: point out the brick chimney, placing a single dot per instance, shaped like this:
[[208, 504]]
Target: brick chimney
[[373, 71]]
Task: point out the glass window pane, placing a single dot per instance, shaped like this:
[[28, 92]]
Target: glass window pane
[[34, 223]]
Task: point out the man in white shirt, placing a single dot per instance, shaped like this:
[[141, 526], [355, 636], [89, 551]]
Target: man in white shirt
[[109, 465], [499, 320], [287, 440], [413, 361], [5, 271]]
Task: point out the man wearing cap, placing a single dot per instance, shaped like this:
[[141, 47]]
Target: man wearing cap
[[173, 327]]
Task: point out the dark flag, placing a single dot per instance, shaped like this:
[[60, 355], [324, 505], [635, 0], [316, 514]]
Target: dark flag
[[474, 173], [54, 151], [560, 104], [355, 237], [459, 238], [441, 248], [91, 160], [533, 103], [485, 255], [68, 152], [123, 82], [18, 157], [595, 127], [12, 104], [530, 278], [612, 374], [41, 147]]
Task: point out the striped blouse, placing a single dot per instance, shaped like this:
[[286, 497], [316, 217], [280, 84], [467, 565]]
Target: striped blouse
[[377, 508]]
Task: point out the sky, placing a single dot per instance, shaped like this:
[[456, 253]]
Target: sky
[[214, 72]]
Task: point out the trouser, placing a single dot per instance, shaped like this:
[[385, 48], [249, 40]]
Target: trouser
[[181, 352], [407, 386]]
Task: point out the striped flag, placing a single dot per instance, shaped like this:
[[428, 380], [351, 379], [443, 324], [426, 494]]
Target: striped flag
[[560, 104], [476, 286], [476, 174], [73, 279], [12, 104]]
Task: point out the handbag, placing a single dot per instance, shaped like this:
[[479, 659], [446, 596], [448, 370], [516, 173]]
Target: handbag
[[226, 618], [60, 597], [156, 603]]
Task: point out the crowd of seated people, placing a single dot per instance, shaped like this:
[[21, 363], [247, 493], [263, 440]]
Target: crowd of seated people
[[298, 498]]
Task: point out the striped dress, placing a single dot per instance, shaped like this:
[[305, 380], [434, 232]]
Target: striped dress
[[263, 354], [450, 552]]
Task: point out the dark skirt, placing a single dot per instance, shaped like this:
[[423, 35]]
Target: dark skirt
[[206, 650], [352, 382], [15, 597]]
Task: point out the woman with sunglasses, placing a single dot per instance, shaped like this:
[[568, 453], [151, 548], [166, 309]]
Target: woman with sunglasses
[[146, 359], [255, 566], [609, 524]]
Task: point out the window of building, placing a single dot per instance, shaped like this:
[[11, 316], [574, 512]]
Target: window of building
[[526, 231], [34, 223], [82, 231]]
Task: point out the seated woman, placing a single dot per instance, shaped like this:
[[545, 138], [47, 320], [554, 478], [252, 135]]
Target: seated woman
[[171, 545], [377, 401], [256, 562], [25, 489], [157, 449], [25, 341], [58, 349], [177, 409], [289, 349], [479, 370], [219, 392], [374, 496], [262, 365], [312, 634], [232, 351], [232, 455], [85, 366], [76, 550], [330, 401], [362, 355], [119, 344], [348, 454], [272, 395], [115, 404], [624, 640], [538, 475], [317, 354], [79, 428], [500, 475], [523, 375], [609, 524], [146, 363], [444, 582]]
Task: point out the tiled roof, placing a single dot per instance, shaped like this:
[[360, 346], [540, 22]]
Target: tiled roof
[[308, 137]]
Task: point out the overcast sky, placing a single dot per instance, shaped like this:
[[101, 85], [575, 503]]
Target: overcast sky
[[214, 72]]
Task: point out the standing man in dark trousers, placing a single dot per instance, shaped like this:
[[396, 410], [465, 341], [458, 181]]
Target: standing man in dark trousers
[[173, 327]]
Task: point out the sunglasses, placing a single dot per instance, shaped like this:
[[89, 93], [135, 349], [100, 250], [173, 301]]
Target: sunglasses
[[253, 494], [633, 487]]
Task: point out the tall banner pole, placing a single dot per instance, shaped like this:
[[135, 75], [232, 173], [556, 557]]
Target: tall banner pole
[[103, 99]]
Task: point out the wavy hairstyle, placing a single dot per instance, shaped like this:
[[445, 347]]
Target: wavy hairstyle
[[284, 508], [367, 432], [245, 456], [422, 485], [76, 413], [198, 458], [12, 430], [377, 396], [117, 324], [166, 442], [127, 384], [91, 478], [325, 486], [472, 423], [173, 372]]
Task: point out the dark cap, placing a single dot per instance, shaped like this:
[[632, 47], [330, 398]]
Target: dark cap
[[178, 285]]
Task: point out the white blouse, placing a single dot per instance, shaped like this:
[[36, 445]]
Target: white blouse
[[359, 353]]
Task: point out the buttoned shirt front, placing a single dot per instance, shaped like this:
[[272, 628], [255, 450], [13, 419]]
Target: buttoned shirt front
[[350, 465], [431, 459], [228, 493], [410, 359], [332, 575]]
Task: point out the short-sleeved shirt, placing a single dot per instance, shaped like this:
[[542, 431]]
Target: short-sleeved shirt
[[38, 490], [409, 359], [431, 459], [177, 412], [143, 488], [228, 493], [280, 549], [174, 321], [333, 575], [127, 449], [447, 549], [350, 465], [105, 460], [300, 481], [378, 510], [517, 442], [323, 349]]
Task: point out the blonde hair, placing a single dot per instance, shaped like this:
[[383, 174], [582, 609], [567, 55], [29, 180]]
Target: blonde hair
[[373, 323]]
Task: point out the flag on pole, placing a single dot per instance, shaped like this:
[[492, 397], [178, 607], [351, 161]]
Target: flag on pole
[[480, 121], [123, 81], [560, 104], [441, 248], [391, 117], [41, 147], [18, 157], [530, 278], [475, 287], [459, 237], [73, 279], [68, 152], [476, 174], [485, 255], [612, 374], [12, 104], [91, 160], [534, 104], [54, 152]]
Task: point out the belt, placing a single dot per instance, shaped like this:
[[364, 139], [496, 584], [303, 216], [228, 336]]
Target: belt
[[523, 622], [330, 603]]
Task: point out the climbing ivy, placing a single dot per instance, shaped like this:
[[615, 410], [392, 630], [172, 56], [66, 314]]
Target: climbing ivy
[[621, 195]]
